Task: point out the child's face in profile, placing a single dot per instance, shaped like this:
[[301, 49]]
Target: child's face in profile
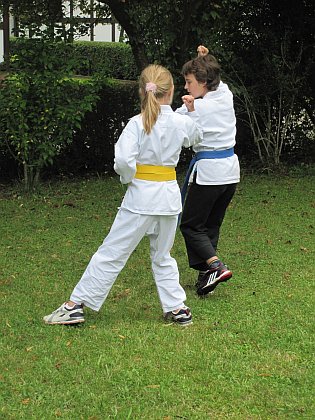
[[195, 88]]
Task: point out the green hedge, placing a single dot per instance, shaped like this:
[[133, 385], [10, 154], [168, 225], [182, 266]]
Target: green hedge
[[111, 59], [92, 149], [93, 145], [115, 59]]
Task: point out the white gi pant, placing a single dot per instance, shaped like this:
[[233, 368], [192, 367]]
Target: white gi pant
[[126, 232]]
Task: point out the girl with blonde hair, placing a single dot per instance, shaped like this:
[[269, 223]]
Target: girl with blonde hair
[[146, 155]]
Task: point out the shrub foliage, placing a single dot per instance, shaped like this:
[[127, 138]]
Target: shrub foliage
[[41, 106]]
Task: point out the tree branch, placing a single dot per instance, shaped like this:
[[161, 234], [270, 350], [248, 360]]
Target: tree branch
[[119, 10]]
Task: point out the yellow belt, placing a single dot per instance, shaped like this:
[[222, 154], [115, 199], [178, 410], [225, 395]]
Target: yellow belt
[[155, 173]]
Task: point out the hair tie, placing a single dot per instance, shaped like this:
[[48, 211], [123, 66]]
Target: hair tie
[[151, 87]]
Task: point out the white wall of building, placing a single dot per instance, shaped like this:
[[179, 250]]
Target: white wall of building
[[1, 46], [102, 33]]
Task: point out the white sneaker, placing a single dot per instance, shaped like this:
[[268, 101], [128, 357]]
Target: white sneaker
[[181, 317], [64, 315]]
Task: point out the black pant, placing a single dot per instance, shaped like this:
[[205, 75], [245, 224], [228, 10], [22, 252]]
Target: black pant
[[202, 217]]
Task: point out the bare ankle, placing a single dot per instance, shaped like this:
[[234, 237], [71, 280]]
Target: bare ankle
[[70, 304]]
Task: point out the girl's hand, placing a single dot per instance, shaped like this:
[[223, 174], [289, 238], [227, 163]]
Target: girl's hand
[[189, 102], [202, 51]]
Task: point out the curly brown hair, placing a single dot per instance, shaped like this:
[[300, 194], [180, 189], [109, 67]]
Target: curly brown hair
[[205, 69]]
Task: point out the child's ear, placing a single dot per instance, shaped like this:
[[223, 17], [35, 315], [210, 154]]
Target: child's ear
[[171, 94]]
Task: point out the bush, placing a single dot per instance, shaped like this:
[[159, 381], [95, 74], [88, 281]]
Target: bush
[[94, 137], [42, 105], [111, 59], [92, 148], [92, 145]]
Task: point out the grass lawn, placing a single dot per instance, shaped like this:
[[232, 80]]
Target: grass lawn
[[248, 355]]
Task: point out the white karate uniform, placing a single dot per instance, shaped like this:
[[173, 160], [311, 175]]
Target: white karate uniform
[[148, 208], [217, 117]]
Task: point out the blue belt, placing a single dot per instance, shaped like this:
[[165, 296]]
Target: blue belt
[[209, 154]]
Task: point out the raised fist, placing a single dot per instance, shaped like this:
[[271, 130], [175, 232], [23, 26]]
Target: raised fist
[[189, 102], [202, 51]]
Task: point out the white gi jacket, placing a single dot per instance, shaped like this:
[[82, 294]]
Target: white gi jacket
[[161, 147], [217, 119]]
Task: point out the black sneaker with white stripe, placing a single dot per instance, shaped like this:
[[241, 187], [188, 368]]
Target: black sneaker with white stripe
[[216, 274]]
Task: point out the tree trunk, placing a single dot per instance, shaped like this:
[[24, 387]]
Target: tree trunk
[[31, 177], [6, 34], [118, 9], [189, 9]]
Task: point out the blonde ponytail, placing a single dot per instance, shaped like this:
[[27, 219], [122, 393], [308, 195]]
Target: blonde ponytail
[[154, 83]]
